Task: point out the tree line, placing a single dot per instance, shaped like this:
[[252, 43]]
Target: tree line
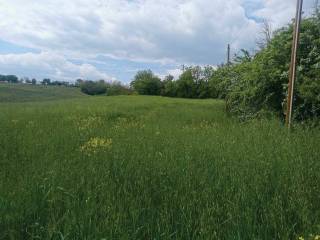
[[87, 86], [253, 84], [102, 87], [26, 80]]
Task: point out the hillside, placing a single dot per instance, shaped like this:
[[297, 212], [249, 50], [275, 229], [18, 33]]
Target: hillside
[[33, 93]]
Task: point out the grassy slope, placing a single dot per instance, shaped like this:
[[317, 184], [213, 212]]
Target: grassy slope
[[176, 169], [33, 93]]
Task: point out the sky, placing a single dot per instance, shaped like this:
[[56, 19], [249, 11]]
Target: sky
[[113, 39]]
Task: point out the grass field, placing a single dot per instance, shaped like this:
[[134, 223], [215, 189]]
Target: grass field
[[33, 93], [134, 167]]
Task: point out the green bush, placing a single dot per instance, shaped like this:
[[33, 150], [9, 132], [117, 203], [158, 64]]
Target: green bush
[[146, 83], [93, 88], [116, 88], [260, 84]]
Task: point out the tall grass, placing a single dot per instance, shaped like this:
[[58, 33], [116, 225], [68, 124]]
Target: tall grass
[[132, 167]]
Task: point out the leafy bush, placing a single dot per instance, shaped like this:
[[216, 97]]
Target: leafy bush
[[93, 88], [116, 88], [146, 83], [260, 84]]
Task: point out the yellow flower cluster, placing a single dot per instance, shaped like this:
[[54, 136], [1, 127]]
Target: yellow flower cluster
[[95, 145], [312, 237]]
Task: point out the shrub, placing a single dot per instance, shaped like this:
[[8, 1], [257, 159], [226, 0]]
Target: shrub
[[93, 88], [261, 83], [116, 88], [146, 83]]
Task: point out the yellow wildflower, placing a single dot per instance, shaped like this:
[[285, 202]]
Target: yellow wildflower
[[301, 238], [317, 237], [96, 144]]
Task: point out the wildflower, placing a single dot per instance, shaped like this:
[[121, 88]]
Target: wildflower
[[301, 238], [317, 237], [96, 144]]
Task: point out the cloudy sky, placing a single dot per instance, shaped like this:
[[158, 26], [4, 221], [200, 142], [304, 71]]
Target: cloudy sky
[[112, 39]]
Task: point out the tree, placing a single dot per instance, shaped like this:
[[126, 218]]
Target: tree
[[12, 79], [265, 35], [146, 83], [46, 81], [186, 86], [33, 81], [116, 88], [169, 87], [93, 88]]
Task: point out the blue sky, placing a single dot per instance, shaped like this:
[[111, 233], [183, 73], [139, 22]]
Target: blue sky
[[113, 39]]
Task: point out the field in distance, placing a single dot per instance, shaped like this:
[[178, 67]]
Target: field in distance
[[33, 93], [135, 167]]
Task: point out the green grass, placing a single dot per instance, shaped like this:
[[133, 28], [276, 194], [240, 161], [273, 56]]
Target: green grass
[[33, 93], [176, 169]]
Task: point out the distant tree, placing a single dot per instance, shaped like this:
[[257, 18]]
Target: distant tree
[[265, 35], [3, 78], [79, 82], [12, 79], [116, 88], [169, 87], [186, 86], [146, 83], [34, 81], [46, 81], [9, 78], [93, 88]]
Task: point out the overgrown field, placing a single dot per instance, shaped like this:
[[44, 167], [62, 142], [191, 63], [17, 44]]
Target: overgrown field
[[133, 167]]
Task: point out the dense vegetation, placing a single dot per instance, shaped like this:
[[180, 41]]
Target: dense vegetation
[[254, 84], [140, 167], [102, 87], [93, 88]]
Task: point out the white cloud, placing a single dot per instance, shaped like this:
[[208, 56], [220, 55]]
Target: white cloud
[[48, 65], [164, 32]]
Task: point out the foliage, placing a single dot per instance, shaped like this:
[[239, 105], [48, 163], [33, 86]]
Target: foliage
[[93, 88], [136, 167], [260, 84], [9, 78], [146, 83], [46, 81], [117, 88]]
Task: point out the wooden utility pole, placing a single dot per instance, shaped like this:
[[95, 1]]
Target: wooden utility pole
[[293, 64], [228, 55]]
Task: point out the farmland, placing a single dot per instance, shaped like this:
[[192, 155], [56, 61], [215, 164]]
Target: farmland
[[142, 167]]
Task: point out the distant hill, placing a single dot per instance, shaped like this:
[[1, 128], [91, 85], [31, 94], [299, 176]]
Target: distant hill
[[33, 93]]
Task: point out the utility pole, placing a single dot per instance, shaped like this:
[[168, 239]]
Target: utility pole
[[228, 54], [293, 64]]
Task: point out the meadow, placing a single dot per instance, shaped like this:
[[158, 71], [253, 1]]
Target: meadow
[[138, 167]]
